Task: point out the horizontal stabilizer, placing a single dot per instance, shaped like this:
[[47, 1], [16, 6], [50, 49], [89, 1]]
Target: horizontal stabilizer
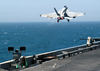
[[68, 18]]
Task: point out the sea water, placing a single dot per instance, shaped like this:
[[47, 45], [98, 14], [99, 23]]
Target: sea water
[[41, 37]]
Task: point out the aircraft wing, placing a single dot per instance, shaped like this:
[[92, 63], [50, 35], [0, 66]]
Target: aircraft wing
[[68, 18], [50, 15], [74, 14]]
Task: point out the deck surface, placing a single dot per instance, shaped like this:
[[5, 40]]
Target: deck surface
[[89, 61]]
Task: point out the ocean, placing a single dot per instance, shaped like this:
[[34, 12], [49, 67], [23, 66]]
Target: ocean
[[41, 37]]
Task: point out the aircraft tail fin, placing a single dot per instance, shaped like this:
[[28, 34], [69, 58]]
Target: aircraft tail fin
[[56, 11], [65, 9]]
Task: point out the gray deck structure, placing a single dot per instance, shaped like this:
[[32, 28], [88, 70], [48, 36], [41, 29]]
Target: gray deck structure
[[89, 61], [79, 58]]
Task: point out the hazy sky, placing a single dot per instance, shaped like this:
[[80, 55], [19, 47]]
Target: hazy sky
[[30, 10]]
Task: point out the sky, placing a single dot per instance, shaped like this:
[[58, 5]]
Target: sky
[[30, 10]]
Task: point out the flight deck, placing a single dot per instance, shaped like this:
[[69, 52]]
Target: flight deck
[[89, 61], [79, 58]]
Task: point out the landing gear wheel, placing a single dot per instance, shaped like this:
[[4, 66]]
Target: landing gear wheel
[[68, 20], [58, 20]]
